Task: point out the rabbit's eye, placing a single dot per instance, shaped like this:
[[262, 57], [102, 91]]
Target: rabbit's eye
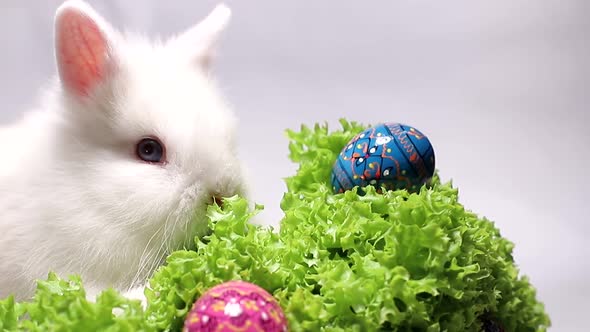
[[150, 150]]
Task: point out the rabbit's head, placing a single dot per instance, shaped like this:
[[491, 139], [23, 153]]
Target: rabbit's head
[[146, 137]]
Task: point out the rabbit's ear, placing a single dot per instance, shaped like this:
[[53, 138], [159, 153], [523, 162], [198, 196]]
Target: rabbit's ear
[[200, 41], [82, 47]]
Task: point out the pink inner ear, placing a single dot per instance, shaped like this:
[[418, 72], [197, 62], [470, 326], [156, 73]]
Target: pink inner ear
[[81, 51]]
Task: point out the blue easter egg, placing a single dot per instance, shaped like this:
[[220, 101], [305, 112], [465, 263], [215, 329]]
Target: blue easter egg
[[390, 155]]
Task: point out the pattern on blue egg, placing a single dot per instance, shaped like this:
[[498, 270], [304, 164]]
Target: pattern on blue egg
[[390, 155]]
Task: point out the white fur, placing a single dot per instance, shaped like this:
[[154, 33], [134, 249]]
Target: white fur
[[73, 196]]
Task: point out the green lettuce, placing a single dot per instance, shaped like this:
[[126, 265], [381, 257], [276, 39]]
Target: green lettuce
[[396, 261]]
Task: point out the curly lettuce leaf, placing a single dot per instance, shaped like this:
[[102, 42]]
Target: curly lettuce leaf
[[396, 261], [393, 261], [61, 305]]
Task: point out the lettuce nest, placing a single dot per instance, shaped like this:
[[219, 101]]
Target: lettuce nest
[[396, 261]]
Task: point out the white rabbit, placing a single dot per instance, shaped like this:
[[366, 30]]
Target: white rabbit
[[116, 167]]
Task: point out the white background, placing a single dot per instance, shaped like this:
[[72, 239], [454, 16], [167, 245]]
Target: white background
[[500, 87]]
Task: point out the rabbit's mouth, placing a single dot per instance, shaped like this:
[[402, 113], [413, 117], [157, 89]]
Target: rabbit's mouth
[[215, 198], [218, 200]]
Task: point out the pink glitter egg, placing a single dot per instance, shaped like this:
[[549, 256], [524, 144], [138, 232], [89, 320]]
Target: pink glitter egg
[[236, 306]]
